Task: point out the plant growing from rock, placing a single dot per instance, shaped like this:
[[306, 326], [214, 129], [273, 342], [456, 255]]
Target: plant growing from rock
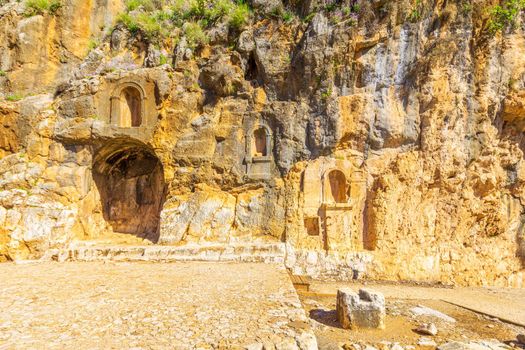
[[14, 97], [132, 5], [416, 12], [163, 60], [195, 35], [239, 16], [40, 7], [505, 15], [157, 19]]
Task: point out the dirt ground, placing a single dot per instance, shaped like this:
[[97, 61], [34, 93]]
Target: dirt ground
[[401, 324]]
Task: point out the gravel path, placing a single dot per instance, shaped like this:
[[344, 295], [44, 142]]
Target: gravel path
[[99, 305]]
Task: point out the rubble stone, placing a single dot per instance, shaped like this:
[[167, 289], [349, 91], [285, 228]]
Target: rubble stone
[[363, 310], [427, 329]]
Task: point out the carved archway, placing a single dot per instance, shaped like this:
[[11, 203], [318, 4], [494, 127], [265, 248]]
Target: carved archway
[[130, 180]]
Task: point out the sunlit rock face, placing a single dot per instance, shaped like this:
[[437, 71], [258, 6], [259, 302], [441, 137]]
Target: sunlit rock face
[[377, 145]]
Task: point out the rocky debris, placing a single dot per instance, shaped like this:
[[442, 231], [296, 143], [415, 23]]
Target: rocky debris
[[521, 338], [421, 310], [396, 346], [474, 345], [426, 342], [363, 310], [427, 329]]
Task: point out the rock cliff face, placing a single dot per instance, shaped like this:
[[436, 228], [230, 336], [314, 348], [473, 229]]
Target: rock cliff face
[[375, 138]]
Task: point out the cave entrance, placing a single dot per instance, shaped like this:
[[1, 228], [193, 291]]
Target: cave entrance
[[130, 180]]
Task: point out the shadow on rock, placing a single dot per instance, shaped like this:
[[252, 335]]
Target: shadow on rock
[[326, 317]]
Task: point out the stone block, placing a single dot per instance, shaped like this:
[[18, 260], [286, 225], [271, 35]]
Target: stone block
[[363, 310]]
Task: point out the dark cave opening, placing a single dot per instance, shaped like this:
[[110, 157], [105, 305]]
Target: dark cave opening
[[130, 180], [252, 72]]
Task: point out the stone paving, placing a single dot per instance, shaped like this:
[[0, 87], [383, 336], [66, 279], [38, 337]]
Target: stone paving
[[185, 305]]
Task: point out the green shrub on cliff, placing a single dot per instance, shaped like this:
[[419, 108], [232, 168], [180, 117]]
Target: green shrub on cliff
[[158, 19], [236, 13], [239, 16], [194, 33], [148, 23], [40, 7], [505, 15], [147, 5]]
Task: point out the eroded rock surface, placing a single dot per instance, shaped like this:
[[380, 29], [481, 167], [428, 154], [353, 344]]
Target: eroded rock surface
[[376, 139]]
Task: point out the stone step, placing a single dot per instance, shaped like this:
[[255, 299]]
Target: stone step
[[247, 252]]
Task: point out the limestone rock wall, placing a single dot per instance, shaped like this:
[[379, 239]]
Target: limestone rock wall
[[40, 52], [383, 143]]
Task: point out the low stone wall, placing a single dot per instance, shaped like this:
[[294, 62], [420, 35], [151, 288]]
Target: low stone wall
[[328, 265]]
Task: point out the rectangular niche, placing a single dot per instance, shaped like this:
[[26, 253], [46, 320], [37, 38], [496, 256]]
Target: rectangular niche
[[312, 226]]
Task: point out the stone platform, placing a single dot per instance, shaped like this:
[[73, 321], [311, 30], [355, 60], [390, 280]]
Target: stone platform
[[241, 252], [121, 305]]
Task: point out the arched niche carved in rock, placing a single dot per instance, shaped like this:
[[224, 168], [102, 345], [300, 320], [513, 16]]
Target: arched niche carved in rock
[[127, 106], [260, 142], [259, 152], [335, 187]]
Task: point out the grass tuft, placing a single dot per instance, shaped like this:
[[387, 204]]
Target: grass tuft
[[41, 7]]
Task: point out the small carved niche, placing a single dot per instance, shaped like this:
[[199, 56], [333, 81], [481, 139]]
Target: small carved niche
[[259, 152], [130, 107], [260, 142], [127, 106], [312, 226]]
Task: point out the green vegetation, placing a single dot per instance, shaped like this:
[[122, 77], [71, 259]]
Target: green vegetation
[[282, 14], [93, 44], [14, 97], [194, 33], [326, 94], [467, 8], [147, 5], [163, 60], [40, 7], [158, 19], [309, 17], [505, 15], [2, 73], [416, 12], [147, 23], [239, 16], [287, 16]]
